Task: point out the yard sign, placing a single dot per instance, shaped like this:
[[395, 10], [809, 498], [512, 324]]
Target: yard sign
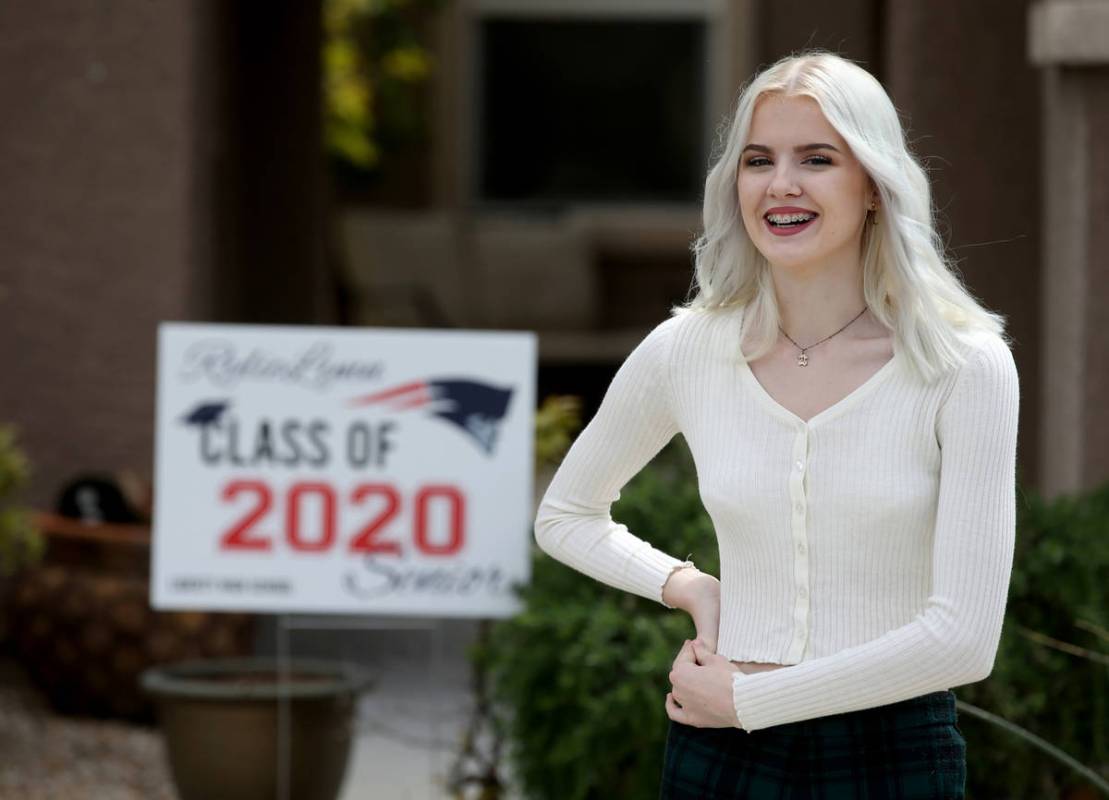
[[369, 470]]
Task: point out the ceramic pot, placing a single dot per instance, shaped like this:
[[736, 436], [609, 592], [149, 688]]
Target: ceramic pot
[[228, 722]]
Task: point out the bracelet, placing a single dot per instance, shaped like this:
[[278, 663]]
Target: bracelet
[[686, 563], [683, 565]]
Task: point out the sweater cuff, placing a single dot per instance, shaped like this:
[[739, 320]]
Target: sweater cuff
[[737, 699]]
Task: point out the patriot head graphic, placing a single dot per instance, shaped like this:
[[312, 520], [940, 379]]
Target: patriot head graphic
[[477, 408]]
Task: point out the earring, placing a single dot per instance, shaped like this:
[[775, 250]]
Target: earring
[[874, 214]]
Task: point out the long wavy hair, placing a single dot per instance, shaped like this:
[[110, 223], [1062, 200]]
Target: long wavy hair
[[909, 283]]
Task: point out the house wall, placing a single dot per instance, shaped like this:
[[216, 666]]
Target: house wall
[[98, 228]]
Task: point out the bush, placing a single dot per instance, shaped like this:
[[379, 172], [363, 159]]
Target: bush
[[1051, 675], [20, 543], [584, 667]]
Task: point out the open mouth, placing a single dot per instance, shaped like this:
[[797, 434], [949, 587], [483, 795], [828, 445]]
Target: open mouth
[[786, 224], [789, 220]]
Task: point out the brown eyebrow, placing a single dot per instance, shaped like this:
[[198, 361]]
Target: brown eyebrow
[[799, 149]]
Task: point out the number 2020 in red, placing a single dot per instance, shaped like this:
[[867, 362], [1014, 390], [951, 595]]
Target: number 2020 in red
[[245, 535]]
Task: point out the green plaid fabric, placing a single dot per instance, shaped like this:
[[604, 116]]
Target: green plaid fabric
[[911, 750]]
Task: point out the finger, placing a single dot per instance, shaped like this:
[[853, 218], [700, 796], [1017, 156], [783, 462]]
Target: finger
[[681, 713], [686, 654], [706, 644], [674, 711], [705, 655]]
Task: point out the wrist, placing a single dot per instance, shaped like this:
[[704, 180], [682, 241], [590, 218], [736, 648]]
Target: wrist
[[686, 585]]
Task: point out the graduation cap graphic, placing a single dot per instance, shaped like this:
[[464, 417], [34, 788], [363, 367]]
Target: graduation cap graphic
[[206, 413], [476, 408]]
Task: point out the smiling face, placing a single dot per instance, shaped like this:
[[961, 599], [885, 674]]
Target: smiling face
[[803, 196]]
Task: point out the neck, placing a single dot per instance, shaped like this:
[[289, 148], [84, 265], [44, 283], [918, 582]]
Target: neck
[[815, 305]]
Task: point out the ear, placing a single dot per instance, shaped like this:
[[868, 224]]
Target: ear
[[875, 195]]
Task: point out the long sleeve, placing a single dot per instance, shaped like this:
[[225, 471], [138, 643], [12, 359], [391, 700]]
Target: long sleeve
[[953, 640], [635, 419]]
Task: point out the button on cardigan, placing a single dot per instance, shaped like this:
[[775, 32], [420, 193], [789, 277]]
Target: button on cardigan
[[868, 548]]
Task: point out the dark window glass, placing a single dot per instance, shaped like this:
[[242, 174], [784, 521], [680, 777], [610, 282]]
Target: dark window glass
[[590, 110]]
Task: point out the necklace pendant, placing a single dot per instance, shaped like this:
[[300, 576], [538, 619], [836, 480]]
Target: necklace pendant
[[803, 360]]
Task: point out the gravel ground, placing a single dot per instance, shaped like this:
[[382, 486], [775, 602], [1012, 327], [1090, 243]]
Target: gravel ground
[[44, 756]]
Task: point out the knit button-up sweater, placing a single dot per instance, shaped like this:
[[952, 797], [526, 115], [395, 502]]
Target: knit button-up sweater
[[868, 548]]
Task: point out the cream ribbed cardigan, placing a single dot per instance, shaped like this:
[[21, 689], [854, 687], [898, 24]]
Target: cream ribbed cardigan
[[870, 547]]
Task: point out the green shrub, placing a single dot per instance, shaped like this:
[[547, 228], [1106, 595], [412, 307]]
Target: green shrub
[[20, 543], [1051, 676]]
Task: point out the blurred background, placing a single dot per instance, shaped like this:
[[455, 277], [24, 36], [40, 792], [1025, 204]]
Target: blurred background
[[499, 164]]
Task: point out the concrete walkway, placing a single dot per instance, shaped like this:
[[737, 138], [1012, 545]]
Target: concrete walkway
[[409, 739], [412, 722]]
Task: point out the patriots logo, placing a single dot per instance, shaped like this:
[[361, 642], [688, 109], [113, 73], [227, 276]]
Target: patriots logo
[[476, 408]]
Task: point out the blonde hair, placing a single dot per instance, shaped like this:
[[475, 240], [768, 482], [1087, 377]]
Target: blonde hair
[[909, 283]]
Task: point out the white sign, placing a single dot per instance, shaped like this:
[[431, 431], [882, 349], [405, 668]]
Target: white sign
[[346, 470]]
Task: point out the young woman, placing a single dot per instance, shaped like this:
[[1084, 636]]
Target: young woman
[[852, 414]]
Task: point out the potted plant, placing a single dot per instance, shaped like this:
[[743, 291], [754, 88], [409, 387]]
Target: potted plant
[[81, 623], [256, 728]]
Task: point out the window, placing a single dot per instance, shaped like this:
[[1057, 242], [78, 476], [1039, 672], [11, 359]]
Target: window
[[581, 108]]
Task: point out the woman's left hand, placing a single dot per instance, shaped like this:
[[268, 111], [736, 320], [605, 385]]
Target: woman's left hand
[[702, 689]]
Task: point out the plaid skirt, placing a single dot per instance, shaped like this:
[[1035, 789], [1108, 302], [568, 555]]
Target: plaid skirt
[[910, 750]]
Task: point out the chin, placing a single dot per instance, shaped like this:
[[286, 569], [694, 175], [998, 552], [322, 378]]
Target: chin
[[787, 257]]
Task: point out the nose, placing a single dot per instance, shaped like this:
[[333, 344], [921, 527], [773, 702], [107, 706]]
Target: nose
[[784, 181]]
